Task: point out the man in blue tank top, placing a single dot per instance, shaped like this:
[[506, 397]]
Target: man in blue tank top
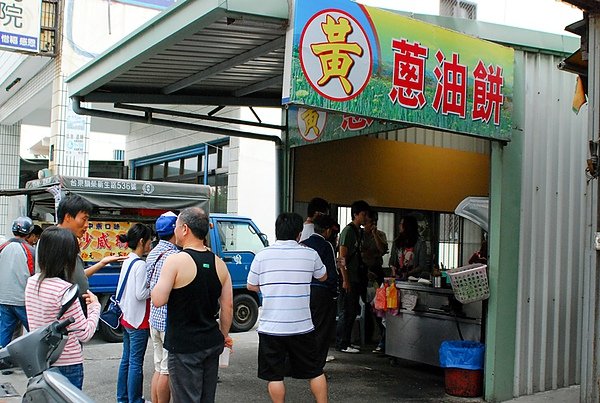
[[195, 284]]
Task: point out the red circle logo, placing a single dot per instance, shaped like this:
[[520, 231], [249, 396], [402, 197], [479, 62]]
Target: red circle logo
[[335, 55]]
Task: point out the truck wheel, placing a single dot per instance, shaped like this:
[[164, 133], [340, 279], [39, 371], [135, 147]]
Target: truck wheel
[[245, 313], [108, 334]]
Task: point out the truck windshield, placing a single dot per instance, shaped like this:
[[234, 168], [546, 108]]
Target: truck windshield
[[239, 236]]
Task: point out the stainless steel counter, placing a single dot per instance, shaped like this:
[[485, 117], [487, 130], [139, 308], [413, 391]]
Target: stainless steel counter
[[417, 334]]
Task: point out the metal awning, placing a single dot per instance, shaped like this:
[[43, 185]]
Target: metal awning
[[206, 52], [198, 52]]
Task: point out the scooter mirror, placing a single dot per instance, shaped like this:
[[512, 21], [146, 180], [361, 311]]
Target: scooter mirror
[[67, 300]]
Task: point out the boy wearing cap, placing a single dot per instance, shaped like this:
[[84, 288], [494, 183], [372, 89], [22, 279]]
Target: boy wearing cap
[[165, 228]]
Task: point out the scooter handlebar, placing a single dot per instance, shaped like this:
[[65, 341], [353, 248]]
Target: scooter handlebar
[[61, 327]]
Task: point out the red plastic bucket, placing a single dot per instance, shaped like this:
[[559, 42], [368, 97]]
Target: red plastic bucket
[[463, 382]]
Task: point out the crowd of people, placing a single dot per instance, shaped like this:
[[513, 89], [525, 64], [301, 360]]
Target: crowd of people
[[306, 278], [180, 286]]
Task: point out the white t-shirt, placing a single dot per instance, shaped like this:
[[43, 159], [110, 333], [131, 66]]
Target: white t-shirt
[[284, 272], [307, 231], [133, 300]]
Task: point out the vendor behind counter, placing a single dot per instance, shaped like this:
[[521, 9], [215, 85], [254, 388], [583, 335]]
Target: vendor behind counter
[[408, 257]]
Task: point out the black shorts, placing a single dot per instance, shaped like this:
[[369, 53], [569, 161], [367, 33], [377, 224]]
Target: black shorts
[[300, 349]]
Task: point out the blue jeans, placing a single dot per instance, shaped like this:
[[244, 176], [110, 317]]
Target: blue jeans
[[348, 310], [10, 316], [73, 373], [131, 370]]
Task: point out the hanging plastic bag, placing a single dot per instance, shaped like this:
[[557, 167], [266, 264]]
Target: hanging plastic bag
[[380, 298], [392, 296]]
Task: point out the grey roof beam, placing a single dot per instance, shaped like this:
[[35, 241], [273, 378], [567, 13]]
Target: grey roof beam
[[125, 97], [148, 119], [150, 111], [226, 65], [277, 80]]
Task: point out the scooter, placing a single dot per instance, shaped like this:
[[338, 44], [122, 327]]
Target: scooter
[[36, 351]]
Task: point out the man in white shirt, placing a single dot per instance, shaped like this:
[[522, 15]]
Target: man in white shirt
[[316, 207], [283, 273]]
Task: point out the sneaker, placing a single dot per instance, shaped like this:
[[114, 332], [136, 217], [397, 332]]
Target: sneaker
[[329, 358], [350, 350], [355, 346], [378, 350], [5, 363]]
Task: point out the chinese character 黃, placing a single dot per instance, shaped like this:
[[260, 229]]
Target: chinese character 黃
[[334, 54], [311, 119]]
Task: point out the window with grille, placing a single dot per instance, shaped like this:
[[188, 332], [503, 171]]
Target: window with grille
[[119, 155], [449, 240], [49, 27], [459, 9]]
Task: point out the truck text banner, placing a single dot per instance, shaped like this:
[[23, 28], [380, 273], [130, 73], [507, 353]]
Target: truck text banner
[[374, 63]]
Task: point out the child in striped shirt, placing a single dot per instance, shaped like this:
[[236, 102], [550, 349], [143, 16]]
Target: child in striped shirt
[[56, 254]]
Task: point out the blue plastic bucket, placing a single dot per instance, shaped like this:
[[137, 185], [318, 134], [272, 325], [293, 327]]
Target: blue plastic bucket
[[462, 354]]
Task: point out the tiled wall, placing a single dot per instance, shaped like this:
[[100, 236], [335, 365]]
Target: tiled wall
[[9, 167], [69, 135]]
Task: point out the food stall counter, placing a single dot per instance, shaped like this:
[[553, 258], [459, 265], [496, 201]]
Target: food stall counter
[[416, 333]]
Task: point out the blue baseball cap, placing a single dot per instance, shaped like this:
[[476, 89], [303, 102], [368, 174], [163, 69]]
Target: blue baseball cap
[[165, 224]]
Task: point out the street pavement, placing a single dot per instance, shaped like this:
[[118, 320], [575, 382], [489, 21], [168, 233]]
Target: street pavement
[[360, 378]]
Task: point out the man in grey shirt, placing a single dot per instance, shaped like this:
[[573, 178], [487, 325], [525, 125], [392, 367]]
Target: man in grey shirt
[[16, 266], [73, 213]]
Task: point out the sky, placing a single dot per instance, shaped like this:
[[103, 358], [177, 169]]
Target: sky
[[540, 15]]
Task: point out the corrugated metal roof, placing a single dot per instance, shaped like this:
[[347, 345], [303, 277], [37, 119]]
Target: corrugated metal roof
[[193, 50]]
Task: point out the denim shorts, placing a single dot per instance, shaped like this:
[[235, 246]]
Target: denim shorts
[[74, 373]]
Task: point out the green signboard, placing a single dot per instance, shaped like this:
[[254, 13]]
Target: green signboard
[[373, 63], [308, 126]]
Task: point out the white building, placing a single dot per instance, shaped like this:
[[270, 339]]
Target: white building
[[36, 118]]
